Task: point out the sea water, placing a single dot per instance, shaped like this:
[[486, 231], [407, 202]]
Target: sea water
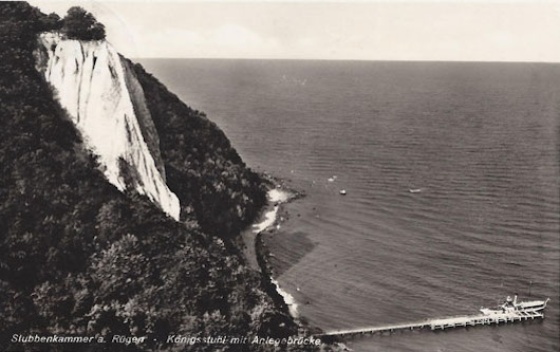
[[452, 178]]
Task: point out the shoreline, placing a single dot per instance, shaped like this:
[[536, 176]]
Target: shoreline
[[269, 221]]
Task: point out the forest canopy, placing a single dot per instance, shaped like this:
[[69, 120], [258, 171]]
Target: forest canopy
[[82, 25], [77, 24], [78, 257]]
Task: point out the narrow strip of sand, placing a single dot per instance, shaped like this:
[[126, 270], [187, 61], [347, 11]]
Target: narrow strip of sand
[[268, 219]]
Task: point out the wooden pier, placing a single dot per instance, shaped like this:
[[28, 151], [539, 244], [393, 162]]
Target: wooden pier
[[440, 324]]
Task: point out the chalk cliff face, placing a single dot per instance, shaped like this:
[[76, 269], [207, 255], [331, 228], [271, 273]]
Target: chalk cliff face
[[106, 102]]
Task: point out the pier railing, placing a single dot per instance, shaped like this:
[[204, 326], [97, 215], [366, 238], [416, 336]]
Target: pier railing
[[440, 323]]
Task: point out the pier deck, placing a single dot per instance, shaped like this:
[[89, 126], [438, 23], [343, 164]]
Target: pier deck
[[439, 324]]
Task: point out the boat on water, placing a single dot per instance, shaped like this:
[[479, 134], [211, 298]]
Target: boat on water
[[511, 305], [342, 192]]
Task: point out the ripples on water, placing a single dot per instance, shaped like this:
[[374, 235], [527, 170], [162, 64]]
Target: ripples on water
[[478, 143]]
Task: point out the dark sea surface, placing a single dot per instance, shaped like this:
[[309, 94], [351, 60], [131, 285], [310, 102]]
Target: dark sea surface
[[476, 143]]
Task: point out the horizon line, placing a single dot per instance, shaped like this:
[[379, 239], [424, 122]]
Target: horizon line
[[356, 60]]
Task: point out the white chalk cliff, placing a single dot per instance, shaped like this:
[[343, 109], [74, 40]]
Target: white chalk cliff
[[106, 102]]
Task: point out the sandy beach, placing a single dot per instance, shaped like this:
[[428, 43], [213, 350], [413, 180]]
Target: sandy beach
[[269, 221]]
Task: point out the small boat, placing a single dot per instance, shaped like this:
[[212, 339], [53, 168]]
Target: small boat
[[415, 190], [342, 192], [512, 305]]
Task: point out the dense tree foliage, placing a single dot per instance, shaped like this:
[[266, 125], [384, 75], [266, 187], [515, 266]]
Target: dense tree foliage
[[202, 168], [51, 22], [80, 24], [79, 257]]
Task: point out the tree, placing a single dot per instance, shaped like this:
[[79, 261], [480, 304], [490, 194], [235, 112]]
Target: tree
[[67, 261], [82, 25], [50, 22]]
